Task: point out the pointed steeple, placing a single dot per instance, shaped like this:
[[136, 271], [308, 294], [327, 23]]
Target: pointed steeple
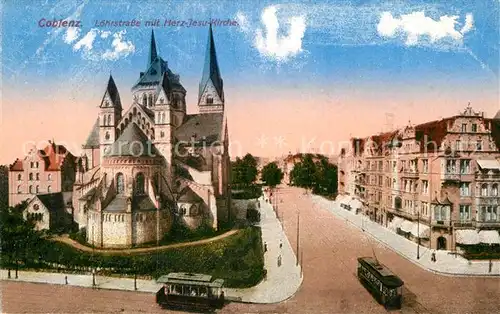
[[111, 97], [152, 49], [211, 68]]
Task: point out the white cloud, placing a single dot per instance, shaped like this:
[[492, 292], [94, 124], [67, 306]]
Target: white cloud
[[87, 41], [469, 23], [280, 47], [417, 27], [120, 48], [71, 34], [242, 21], [105, 34]]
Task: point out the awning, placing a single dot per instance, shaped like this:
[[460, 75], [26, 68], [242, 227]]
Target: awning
[[489, 237], [467, 236], [489, 164], [355, 204], [420, 230], [407, 226], [395, 223]]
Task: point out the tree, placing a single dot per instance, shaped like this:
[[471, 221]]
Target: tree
[[20, 240], [303, 172], [271, 174], [4, 186], [320, 176], [244, 171]]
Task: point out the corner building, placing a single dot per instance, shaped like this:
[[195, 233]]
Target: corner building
[[153, 164], [437, 181]]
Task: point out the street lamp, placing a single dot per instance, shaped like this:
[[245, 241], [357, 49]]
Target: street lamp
[[418, 234], [298, 237]]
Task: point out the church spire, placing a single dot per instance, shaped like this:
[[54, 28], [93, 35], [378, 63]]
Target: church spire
[[152, 49], [211, 71]]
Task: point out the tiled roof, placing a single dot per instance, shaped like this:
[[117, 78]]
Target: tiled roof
[[93, 138], [53, 202], [142, 202], [207, 126], [132, 142], [54, 156], [211, 68], [17, 165], [435, 130], [189, 196]]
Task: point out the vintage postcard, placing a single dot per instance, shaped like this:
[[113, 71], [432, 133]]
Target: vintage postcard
[[298, 156]]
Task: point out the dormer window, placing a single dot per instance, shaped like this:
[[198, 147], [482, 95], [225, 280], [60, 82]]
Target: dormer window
[[210, 100]]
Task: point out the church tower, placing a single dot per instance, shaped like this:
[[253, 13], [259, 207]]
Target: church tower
[[211, 91], [163, 119], [110, 112]]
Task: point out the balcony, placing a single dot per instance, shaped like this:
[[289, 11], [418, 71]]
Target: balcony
[[441, 223], [410, 174], [451, 176], [487, 224], [464, 224]]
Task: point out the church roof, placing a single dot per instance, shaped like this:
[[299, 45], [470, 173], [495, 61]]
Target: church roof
[[497, 116], [53, 201], [112, 90], [93, 138], [152, 49], [189, 196], [211, 68], [132, 142], [205, 125]]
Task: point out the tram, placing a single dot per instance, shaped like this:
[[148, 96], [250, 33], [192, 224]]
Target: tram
[[190, 291], [386, 287]]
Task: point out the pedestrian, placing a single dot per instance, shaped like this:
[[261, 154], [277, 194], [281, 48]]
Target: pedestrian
[[433, 257], [490, 266], [265, 246], [281, 244], [279, 260], [66, 279]]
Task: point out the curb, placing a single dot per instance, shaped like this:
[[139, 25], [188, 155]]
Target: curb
[[438, 272]]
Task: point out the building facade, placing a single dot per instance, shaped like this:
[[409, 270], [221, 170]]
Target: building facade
[[437, 182], [45, 171], [154, 164]]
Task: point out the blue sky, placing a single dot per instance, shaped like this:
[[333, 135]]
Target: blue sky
[[321, 52]]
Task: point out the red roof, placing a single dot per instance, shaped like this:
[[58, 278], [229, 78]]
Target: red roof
[[435, 130], [53, 156], [16, 166]]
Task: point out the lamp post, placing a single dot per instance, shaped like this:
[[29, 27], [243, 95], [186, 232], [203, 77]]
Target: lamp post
[[93, 260], [298, 232]]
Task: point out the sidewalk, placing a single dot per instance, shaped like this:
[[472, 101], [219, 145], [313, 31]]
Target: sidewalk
[[281, 282], [446, 263]]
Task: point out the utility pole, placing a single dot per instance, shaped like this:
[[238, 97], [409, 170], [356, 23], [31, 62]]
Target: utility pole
[[418, 234]]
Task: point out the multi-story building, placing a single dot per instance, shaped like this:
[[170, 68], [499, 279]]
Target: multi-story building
[[437, 181], [46, 171]]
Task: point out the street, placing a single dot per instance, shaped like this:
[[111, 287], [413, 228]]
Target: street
[[329, 248]]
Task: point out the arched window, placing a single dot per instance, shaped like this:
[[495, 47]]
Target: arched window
[[144, 100], [494, 190], [162, 117], [484, 190], [31, 176], [49, 177], [19, 177], [139, 183], [183, 210], [134, 111], [150, 100], [31, 189], [109, 119], [210, 100], [37, 189], [49, 189], [37, 176], [19, 189], [120, 183]]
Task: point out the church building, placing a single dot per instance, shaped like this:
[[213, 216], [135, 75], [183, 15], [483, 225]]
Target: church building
[[152, 165]]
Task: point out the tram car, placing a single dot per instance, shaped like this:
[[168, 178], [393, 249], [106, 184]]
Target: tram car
[[386, 287], [190, 291]]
